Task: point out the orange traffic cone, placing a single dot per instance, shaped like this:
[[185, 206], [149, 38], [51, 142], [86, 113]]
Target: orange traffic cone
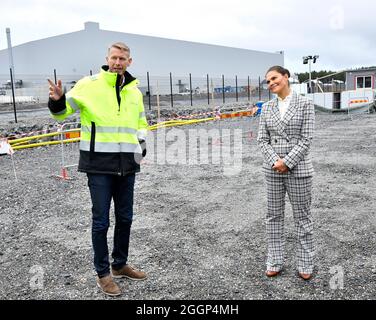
[[63, 175]]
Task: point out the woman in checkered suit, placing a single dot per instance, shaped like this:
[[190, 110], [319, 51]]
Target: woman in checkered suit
[[285, 135]]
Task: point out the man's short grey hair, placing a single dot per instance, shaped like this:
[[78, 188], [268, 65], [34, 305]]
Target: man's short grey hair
[[121, 46]]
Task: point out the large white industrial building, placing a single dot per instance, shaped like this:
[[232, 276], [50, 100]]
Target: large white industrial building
[[81, 51], [76, 54]]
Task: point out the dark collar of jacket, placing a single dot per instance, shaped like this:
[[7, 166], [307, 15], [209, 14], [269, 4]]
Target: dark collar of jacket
[[114, 79]]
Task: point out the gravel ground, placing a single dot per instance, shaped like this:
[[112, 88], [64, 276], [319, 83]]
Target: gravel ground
[[198, 230]]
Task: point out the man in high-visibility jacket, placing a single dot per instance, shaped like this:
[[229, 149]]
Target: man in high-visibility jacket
[[113, 133]]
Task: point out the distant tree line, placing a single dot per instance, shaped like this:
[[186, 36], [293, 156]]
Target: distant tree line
[[318, 74]]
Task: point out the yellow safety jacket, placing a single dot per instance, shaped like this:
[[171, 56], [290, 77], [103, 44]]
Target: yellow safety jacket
[[113, 122]]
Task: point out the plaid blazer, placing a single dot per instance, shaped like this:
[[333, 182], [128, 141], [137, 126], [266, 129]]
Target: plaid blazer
[[288, 138]]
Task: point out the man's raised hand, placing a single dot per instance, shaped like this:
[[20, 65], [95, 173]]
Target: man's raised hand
[[56, 91]]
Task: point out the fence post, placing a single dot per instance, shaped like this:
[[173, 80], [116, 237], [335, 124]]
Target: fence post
[[13, 95], [236, 88], [158, 105], [172, 98], [249, 90], [223, 88], [259, 88], [207, 83], [190, 88], [147, 75]]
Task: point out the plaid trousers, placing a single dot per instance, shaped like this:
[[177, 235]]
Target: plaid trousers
[[299, 192]]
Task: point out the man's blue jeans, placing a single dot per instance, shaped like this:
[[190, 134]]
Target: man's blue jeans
[[104, 188]]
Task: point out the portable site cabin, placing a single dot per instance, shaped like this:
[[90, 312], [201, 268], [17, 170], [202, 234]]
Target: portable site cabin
[[357, 95]]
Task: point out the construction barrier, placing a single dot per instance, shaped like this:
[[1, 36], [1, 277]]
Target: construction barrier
[[68, 134], [175, 123], [218, 116], [62, 136], [27, 142], [46, 143], [71, 135], [246, 113]]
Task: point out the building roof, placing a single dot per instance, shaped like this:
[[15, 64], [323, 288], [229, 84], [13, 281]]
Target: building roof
[[77, 53], [364, 69]]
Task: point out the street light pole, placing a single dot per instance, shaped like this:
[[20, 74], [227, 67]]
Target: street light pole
[[307, 60], [12, 74]]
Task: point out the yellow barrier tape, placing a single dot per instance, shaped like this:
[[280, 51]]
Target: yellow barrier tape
[[18, 144], [173, 123], [51, 134], [46, 143]]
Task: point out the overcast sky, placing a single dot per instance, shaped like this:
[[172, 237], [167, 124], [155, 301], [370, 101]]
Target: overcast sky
[[341, 32]]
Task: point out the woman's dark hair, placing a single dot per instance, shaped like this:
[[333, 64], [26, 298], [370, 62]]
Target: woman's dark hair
[[280, 70]]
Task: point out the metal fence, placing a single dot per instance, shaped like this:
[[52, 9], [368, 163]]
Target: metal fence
[[181, 91], [168, 90], [31, 88]]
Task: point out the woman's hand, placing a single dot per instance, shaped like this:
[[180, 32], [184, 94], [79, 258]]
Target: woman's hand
[[280, 166]]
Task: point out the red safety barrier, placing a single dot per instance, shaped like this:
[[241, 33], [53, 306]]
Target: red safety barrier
[[71, 135], [249, 113]]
